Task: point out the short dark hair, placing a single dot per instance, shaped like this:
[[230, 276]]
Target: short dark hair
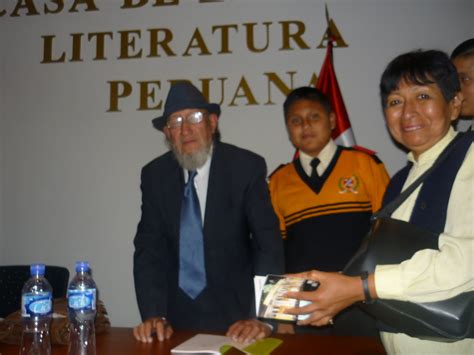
[[306, 93], [464, 49], [420, 68]]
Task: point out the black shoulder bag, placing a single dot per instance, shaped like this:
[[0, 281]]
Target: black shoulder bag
[[392, 241]]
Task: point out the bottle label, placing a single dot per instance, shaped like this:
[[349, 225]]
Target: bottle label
[[36, 304], [82, 299]]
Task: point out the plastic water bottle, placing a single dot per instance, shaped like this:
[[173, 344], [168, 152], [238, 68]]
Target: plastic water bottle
[[36, 310], [82, 295]]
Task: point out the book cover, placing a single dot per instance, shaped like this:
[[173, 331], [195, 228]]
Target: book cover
[[273, 303], [209, 344]]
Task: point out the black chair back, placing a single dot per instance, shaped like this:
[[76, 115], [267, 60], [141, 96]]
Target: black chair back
[[13, 277]]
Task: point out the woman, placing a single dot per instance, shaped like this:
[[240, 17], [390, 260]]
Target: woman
[[420, 98]]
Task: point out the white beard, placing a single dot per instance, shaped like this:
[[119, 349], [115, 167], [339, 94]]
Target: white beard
[[191, 161]]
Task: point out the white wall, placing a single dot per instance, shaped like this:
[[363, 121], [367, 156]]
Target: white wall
[[2, 147], [70, 170]]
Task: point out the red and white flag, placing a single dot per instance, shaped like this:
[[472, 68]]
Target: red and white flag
[[327, 83]]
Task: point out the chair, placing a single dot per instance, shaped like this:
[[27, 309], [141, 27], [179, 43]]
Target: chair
[[13, 277]]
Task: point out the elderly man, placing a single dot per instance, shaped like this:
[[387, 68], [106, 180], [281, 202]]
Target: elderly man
[[207, 227]]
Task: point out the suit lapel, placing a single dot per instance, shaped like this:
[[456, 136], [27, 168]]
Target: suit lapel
[[173, 192], [214, 190]]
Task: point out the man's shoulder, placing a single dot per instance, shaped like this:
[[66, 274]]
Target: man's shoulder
[[361, 153], [237, 153], [281, 171], [160, 162]]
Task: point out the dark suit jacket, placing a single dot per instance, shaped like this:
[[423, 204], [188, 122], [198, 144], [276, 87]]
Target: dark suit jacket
[[241, 239]]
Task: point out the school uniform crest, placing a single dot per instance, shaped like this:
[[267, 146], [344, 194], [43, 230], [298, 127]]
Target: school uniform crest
[[349, 184]]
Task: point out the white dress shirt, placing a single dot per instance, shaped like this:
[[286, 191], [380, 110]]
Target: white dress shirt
[[325, 157], [201, 181]]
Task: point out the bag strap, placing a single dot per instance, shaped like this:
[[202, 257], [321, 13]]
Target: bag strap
[[393, 205]]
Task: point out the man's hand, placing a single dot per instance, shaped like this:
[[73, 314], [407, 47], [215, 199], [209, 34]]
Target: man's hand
[[144, 331], [245, 331], [285, 328]]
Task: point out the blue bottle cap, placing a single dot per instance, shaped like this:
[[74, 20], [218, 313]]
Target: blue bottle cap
[[82, 266], [37, 269]]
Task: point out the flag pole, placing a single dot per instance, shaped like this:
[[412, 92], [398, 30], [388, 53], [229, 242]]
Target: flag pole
[[327, 83]]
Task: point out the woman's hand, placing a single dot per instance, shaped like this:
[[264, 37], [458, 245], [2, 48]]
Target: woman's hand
[[335, 293]]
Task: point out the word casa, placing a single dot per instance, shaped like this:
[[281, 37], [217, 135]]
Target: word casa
[[158, 42], [33, 7], [30, 7], [146, 94]]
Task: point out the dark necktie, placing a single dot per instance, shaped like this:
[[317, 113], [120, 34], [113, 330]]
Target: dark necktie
[[192, 273], [314, 173]]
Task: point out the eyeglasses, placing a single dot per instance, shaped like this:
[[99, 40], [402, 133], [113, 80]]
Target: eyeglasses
[[192, 118]]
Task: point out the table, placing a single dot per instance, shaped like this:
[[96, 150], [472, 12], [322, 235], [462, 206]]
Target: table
[[121, 341]]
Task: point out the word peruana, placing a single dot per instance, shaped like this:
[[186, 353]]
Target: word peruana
[[228, 91]]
